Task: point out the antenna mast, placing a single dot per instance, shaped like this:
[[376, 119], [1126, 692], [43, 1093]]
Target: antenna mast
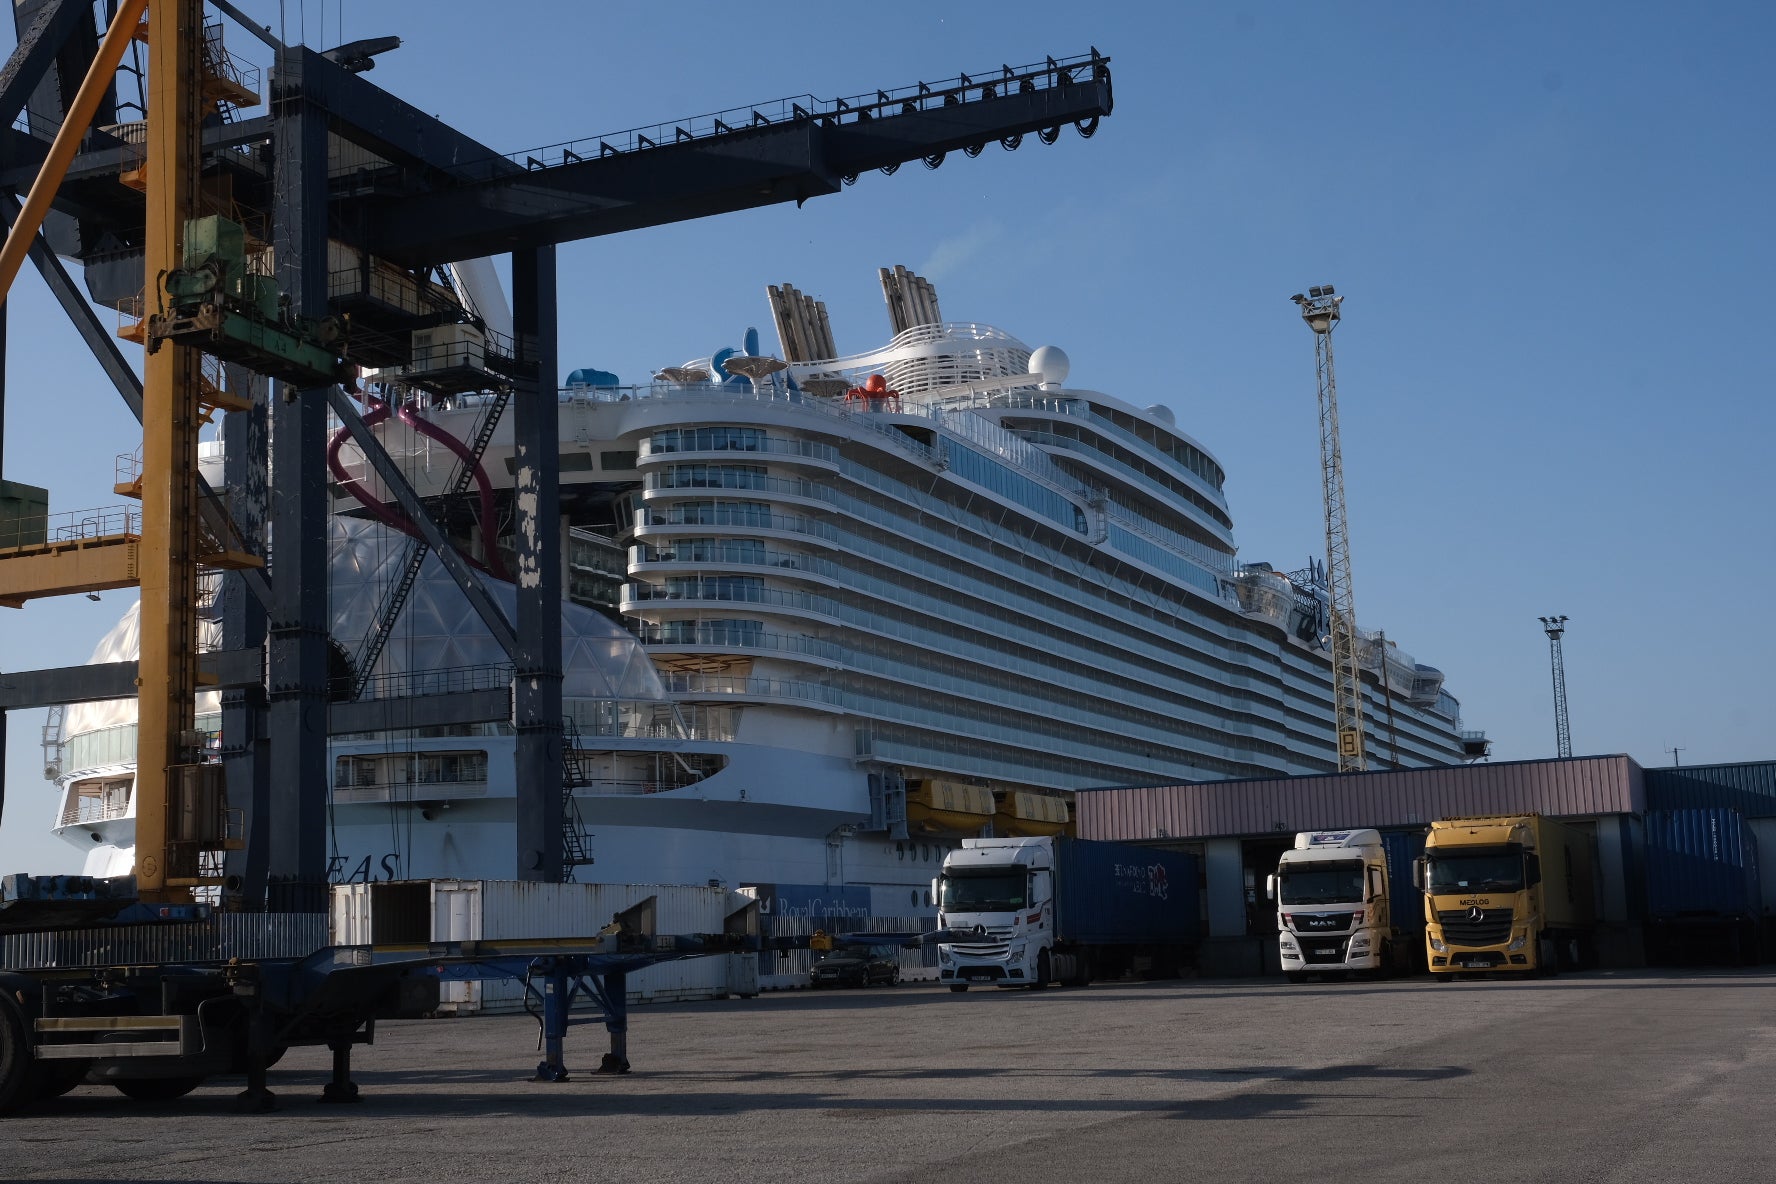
[[1319, 308]]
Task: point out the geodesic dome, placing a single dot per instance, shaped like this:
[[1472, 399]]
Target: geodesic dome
[[436, 631]]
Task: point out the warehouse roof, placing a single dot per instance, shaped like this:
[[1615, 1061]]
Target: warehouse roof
[[1581, 787]]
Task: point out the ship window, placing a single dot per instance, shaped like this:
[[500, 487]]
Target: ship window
[[575, 462], [708, 439], [616, 459], [715, 477]]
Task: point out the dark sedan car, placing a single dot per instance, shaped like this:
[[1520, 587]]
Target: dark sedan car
[[856, 966]]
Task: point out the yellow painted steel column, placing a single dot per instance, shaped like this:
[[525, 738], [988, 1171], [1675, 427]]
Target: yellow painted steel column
[[168, 669]]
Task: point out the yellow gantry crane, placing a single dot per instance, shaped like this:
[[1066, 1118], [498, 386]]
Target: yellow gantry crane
[[1319, 308], [179, 799]]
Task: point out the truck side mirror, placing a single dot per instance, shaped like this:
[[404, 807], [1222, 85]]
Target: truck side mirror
[[1532, 870], [1418, 874], [1270, 887]]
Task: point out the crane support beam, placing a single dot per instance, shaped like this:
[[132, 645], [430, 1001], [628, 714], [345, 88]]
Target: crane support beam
[[22, 690], [60, 569], [741, 169], [38, 45], [166, 705]]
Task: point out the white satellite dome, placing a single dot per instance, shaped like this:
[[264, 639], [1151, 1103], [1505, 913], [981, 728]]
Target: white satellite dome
[[1163, 414], [1051, 362]]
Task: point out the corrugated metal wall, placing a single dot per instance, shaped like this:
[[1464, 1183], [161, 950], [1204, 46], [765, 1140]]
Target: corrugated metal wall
[[1585, 787], [1747, 788]]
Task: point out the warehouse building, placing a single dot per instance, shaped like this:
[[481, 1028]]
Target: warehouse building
[[1240, 828]]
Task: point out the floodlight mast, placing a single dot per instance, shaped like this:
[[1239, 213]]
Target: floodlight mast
[[1555, 628], [1319, 308]]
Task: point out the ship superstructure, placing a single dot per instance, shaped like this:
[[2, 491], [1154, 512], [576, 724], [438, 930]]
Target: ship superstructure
[[892, 599]]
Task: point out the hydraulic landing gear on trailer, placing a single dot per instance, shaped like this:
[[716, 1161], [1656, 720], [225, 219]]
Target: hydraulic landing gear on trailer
[[563, 979]]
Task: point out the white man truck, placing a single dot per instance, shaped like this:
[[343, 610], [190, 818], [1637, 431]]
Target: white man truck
[[1028, 912], [1507, 893], [1344, 903]]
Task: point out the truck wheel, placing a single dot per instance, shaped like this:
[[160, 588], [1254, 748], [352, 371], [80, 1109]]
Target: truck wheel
[[15, 1057], [958, 988], [157, 1089], [1547, 958], [1043, 972], [52, 1079]]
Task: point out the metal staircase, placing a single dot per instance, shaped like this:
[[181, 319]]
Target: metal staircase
[[370, 649], [575, 850]]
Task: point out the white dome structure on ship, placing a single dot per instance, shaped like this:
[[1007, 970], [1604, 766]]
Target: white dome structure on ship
[[437, 631]]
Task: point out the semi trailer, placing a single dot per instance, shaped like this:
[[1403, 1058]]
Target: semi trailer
[[1027, 912]]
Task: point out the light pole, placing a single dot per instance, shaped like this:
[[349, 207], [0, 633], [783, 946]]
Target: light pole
[[1555, 627]]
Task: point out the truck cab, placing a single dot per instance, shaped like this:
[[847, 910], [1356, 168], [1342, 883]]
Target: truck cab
[[997, 896], [1506, 894], [1334, 914]]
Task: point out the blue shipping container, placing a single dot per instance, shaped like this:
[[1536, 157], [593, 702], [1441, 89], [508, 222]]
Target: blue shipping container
[[1749, 788], [1403, 847], [1120, 894], [1701, 864]]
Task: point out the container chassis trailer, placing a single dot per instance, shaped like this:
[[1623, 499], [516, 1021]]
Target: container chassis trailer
[[157, 999]]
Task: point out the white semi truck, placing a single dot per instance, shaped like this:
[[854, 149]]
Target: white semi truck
[[1025, 912], [1336, 904]]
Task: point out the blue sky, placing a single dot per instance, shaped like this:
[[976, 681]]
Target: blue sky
[[1551, 224]]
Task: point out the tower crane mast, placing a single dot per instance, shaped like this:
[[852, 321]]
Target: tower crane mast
[[1319, 308]]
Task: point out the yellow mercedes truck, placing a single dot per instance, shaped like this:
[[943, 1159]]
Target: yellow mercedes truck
[[1507, 893]]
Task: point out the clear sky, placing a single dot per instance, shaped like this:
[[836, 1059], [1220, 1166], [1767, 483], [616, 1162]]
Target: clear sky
[[1550, 222]]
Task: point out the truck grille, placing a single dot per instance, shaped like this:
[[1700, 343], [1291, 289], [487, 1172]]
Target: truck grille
[[1461, 928], [1314, 924], [1323, 950], [994, 943]]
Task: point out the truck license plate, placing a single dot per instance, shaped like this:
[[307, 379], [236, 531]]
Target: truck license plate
[[980, 978], [1476, 963], [1326, 951]]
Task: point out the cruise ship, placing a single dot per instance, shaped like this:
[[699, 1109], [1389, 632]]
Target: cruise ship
[[824, 617]]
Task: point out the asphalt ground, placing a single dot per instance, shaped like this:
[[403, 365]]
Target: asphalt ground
[[1606, 1076]]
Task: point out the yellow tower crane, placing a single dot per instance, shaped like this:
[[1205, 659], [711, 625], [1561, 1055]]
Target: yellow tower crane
[[1319, 308], [179, 799]]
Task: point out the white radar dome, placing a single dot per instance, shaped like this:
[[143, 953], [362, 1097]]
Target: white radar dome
[[1051, 362], [1163, 414]]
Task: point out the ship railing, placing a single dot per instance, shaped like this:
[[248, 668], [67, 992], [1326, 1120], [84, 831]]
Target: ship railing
[[1195, 491], [443, 681], [736, 554], [714, 477], [766, 445]]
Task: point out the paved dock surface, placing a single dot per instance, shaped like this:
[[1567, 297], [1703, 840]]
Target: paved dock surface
[[1600, 1077]]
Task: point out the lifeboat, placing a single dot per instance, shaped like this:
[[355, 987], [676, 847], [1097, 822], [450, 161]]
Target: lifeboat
[[1026, 814], [939, 807]]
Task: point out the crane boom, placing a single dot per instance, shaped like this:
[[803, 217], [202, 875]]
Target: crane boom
[[1319, 308]]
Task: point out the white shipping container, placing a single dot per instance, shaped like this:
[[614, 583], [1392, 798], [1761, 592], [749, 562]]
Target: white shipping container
[[477, 910]]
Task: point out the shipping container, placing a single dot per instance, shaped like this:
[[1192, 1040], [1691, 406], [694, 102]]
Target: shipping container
[[1406, 903], [1748, 788], [1114, 893], [478, 910], [1701, 864]]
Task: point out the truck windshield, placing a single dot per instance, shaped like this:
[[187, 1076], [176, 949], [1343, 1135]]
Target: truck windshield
[[1320, 883], [1492, 871], [982, 892]]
